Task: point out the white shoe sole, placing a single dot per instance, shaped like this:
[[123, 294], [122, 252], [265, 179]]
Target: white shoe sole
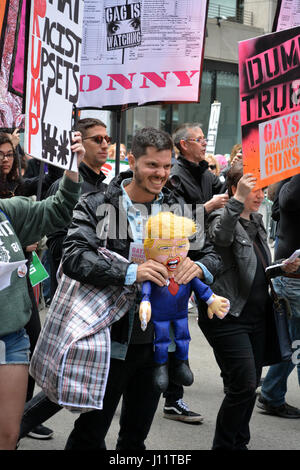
[[184, 419]]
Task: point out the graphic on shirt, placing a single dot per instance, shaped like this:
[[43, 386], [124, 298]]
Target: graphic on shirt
[[123, 26], [4, 253]]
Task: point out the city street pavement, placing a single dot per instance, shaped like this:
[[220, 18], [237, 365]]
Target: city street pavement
[[204, 396]]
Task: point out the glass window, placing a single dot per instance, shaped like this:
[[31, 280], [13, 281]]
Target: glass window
[[195, 112], [227, 92], [217, 85]]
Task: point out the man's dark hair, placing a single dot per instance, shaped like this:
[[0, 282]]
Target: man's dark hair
[[87, 123], [233, 176], [13, 174], [150, 137], [182, 132]]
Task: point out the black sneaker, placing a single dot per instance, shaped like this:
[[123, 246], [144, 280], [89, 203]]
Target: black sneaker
[[179, 411], [284, 411], [40, 432]]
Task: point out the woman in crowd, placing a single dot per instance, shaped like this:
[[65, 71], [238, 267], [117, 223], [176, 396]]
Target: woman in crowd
[[213, 164], [22, 222], [238, 340], [112, 152], [11, 182]]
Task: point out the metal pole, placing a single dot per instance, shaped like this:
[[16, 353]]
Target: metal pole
[[118, 140], [41, 176]]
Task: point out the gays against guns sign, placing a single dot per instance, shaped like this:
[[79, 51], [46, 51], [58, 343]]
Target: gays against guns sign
[[269, 68]]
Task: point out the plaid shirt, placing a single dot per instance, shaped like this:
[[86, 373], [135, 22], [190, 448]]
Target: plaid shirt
[[71, 359]]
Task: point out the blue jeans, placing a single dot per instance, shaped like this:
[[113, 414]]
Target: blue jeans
[[14, 348], [274, 386]]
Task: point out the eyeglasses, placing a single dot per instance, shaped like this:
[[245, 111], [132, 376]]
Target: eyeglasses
[[99, 139], [199, 140], [212, 167], [6, 155]]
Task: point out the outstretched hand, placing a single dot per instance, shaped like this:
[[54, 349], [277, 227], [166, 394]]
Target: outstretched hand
[[219, 307]]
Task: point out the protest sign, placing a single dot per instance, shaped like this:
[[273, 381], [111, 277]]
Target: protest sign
[[269, 70], [52, 79], [287, 15], [11, 115], [37, 272], [213, 127], [140, 51], [109, 169], [17, 69]]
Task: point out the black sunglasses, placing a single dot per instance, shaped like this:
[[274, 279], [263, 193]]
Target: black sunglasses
[[212, 167], [99, 139]]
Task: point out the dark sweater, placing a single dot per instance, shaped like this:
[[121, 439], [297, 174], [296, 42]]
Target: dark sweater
[[289, 229]]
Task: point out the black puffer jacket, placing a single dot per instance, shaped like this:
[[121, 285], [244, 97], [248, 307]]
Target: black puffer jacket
[[194, 182], [99, 220]]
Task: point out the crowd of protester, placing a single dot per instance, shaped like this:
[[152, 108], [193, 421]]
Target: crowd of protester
[[231, 258]]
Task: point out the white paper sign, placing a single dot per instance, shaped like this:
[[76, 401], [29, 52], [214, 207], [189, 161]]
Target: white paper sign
[[52, 88], [213, 127], [109, 169], [291, 259], [136, 253], [289, 14], [141, 51], [6, 270]]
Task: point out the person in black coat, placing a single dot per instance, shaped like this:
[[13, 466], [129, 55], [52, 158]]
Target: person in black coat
[[190, 177], [274, 388]]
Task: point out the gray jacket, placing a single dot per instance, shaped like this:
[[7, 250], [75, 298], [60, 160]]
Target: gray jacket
[[232, 242]]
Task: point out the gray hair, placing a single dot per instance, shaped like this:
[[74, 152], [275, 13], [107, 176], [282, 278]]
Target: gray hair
[[182, 132]]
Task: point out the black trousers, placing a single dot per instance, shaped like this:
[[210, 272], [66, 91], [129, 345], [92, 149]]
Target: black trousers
[[240, 350], [132, 380], [174, 392], [33, 329]]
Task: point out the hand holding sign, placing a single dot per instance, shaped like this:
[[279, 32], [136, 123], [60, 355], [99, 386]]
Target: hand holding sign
[[245, 185], [78, 148]]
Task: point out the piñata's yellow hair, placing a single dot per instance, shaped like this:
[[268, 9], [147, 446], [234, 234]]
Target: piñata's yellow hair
[[168, 226]]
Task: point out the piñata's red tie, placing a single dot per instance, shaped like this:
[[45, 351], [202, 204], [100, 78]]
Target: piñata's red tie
[[173, 286]]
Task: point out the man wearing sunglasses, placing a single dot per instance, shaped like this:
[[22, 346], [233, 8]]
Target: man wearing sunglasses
[[95, 141]]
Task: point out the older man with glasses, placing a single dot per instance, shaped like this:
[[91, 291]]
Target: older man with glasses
[[190, 176]]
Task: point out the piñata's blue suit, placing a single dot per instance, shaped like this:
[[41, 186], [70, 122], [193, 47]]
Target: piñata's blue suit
[[166, 308]]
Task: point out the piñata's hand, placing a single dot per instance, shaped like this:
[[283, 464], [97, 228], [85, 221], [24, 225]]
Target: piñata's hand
[[219, 307], [145, 313]]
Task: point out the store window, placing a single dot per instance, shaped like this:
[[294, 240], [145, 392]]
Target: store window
[[227, 93]]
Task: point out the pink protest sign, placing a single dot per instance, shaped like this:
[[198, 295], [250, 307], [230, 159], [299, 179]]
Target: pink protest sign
[[17, 67], [269, 70], [10, 104]]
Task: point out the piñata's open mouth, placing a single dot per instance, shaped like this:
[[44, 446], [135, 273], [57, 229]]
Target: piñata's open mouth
[[172, 264]]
